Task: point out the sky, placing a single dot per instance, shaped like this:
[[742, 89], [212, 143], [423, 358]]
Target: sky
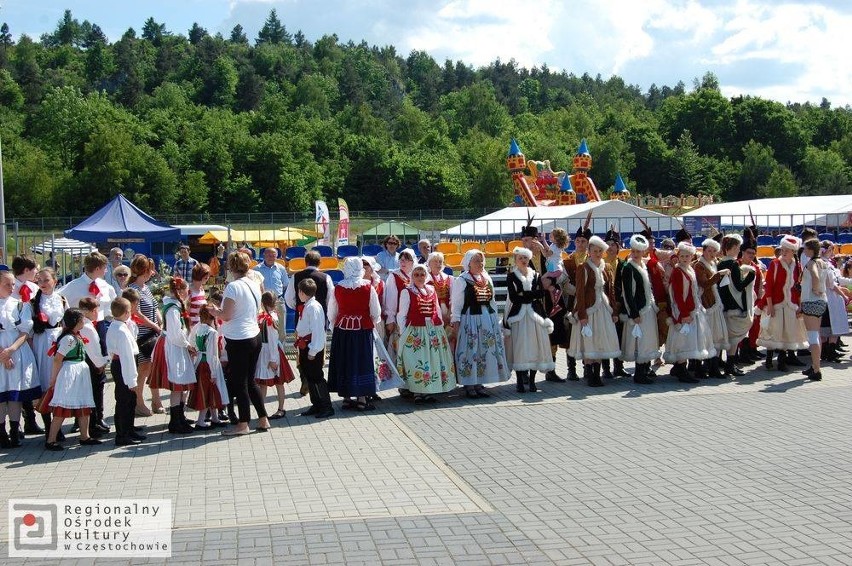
[[785, 51]]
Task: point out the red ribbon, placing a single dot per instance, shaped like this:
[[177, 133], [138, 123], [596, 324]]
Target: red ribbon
[[52, 350], [26, 293], [83, 338], [265, 318], [43, 317], [137, 318], [94, 289]]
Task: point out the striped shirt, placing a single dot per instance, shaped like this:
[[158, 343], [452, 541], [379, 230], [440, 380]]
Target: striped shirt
[[147, 306], [196, 303]]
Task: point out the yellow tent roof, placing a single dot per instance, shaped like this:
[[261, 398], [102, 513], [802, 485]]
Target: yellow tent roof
[[256, 236]]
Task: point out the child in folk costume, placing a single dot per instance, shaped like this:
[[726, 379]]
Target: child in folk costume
[[46, 309], [689, 334], [640, 338], [748, 256], [210, 393], [397, 280], [781, 327], [70, 390], [311, 344], [480, 352], [19, 381], [571, 264], [386, 375], [443, 285], [424, 359], [736, 290], [554, 266], [273, 369], [24, 269], [615, 265], [708, 278], [353, 310], [122, 348], [172, 366], [527, 326], [594, 336], [96, 362]]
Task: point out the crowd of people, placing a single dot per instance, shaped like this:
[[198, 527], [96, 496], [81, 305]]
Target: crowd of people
[[399, 321]]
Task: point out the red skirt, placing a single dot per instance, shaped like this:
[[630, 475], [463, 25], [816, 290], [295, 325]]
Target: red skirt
[[159, 377], [43, 406], [205, 395], [180, 386], [63, 413], [284, 369]]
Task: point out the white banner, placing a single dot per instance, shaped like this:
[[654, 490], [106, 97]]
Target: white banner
[[323, 223], [343, 224]]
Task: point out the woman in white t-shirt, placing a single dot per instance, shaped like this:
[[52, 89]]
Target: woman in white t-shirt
[[239, 310]]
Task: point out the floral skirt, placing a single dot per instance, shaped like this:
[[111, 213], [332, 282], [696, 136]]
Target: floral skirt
[[424, 360], [480, 350], [386, 375]]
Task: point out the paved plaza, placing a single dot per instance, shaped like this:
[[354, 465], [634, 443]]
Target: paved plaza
[[754, 471]]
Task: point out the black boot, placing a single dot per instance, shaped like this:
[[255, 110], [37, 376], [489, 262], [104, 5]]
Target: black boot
[[640, 376], [831, 352], [793, 360], [177, 423], [607, 374], [4, 437], [551, 376], [732, 369], [769, 355], [572, 369], [700, 371], [782, 361], [679, 370], [531, 379], [713, 368], [618, 366], [14, 434], [30, 424], [522, 377], [183, 414], [815, 376], [594, 379]]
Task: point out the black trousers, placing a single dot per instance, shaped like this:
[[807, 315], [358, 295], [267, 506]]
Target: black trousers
[[242, 361], [317, 385], [98, 376], [125, 403]]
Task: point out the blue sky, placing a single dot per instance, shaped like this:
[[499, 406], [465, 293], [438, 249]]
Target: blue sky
[[787, 51]]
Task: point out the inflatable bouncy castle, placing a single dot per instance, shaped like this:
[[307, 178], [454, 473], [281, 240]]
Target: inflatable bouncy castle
[[536, 184]]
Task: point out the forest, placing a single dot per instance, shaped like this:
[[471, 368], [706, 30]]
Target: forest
[[200, 122]]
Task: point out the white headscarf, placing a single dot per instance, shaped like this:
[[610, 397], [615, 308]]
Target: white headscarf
[[353, 273], [468, 256]]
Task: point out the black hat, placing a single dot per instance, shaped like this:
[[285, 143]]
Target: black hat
[[749, 239], [612, 235], [530, 231], [718, 236], [583, 233], [682, 236]]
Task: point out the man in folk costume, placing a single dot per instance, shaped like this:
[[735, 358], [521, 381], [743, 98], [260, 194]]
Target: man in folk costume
[[639, 338], [531, 238], [594, 337], [748, 256], [615, 265], [572, 263], [782, 329], [737, 294], [708, 278]]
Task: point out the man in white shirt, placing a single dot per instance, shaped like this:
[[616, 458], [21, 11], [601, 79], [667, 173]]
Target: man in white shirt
[[92, 284], [311, 344], [116, 256], [275, 279]]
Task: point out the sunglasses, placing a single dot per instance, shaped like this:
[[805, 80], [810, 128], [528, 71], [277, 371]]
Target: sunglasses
[[122, 275]]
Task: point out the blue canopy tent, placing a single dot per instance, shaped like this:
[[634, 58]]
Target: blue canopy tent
[[122, 222]]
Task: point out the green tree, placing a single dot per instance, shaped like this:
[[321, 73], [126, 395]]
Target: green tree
[[197, 33], [11, 95], [223, 82], [475, 106], [781, 183], [823, 172], [758, 165], [705, 114], [273, 31], [238, 35]]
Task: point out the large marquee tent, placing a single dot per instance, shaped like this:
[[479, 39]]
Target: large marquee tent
[[828, 212], [507, 223]]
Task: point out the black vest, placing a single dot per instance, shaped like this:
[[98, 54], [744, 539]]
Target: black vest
[[322, 288]]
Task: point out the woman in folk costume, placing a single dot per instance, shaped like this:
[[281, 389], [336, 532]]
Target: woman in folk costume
[[571, 264], [171, 360], [736, 290], [814, 302], [353, 310], [594, 337], [526, 324], [708, 277], [748, 256], [835, 322], [386, 375], [443, 285], [781, 328], [397, 280], [424, 359], [480, 352], [639, 339], [615, 265], [689, 334], [19, 382]]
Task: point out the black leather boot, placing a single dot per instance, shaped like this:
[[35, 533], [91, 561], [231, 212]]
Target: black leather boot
[[607, 374], [732, 369], [30, 424], [769, 355], [551, 376], [14, 434], [793, 360], [177, 423], [531, 380], [595, 375], [521, 376], [700, 371], [713, 368], [618, 368], [4, 437], [641, 375], [782, 361], [572, 369]]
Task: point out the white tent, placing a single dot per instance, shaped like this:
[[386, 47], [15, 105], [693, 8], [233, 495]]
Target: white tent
[[829, 211], [507, 223], [64, 245]]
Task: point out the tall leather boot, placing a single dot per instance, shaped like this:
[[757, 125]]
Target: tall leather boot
[[522, 376], [769, 355], [700, 371], [782, 361], [183, 413], [30, 424], [731, 367], [641, 375], [572, 369], [595, 375], [14, 434], [618, 368], [177, 423], [4, 437], [531, 379], [713, 369], [793, 360], [607, 374]]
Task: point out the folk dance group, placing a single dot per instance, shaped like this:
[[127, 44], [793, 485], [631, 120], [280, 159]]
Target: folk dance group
[[397, 323]]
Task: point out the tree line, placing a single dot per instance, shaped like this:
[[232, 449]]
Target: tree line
[[201, 122]]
